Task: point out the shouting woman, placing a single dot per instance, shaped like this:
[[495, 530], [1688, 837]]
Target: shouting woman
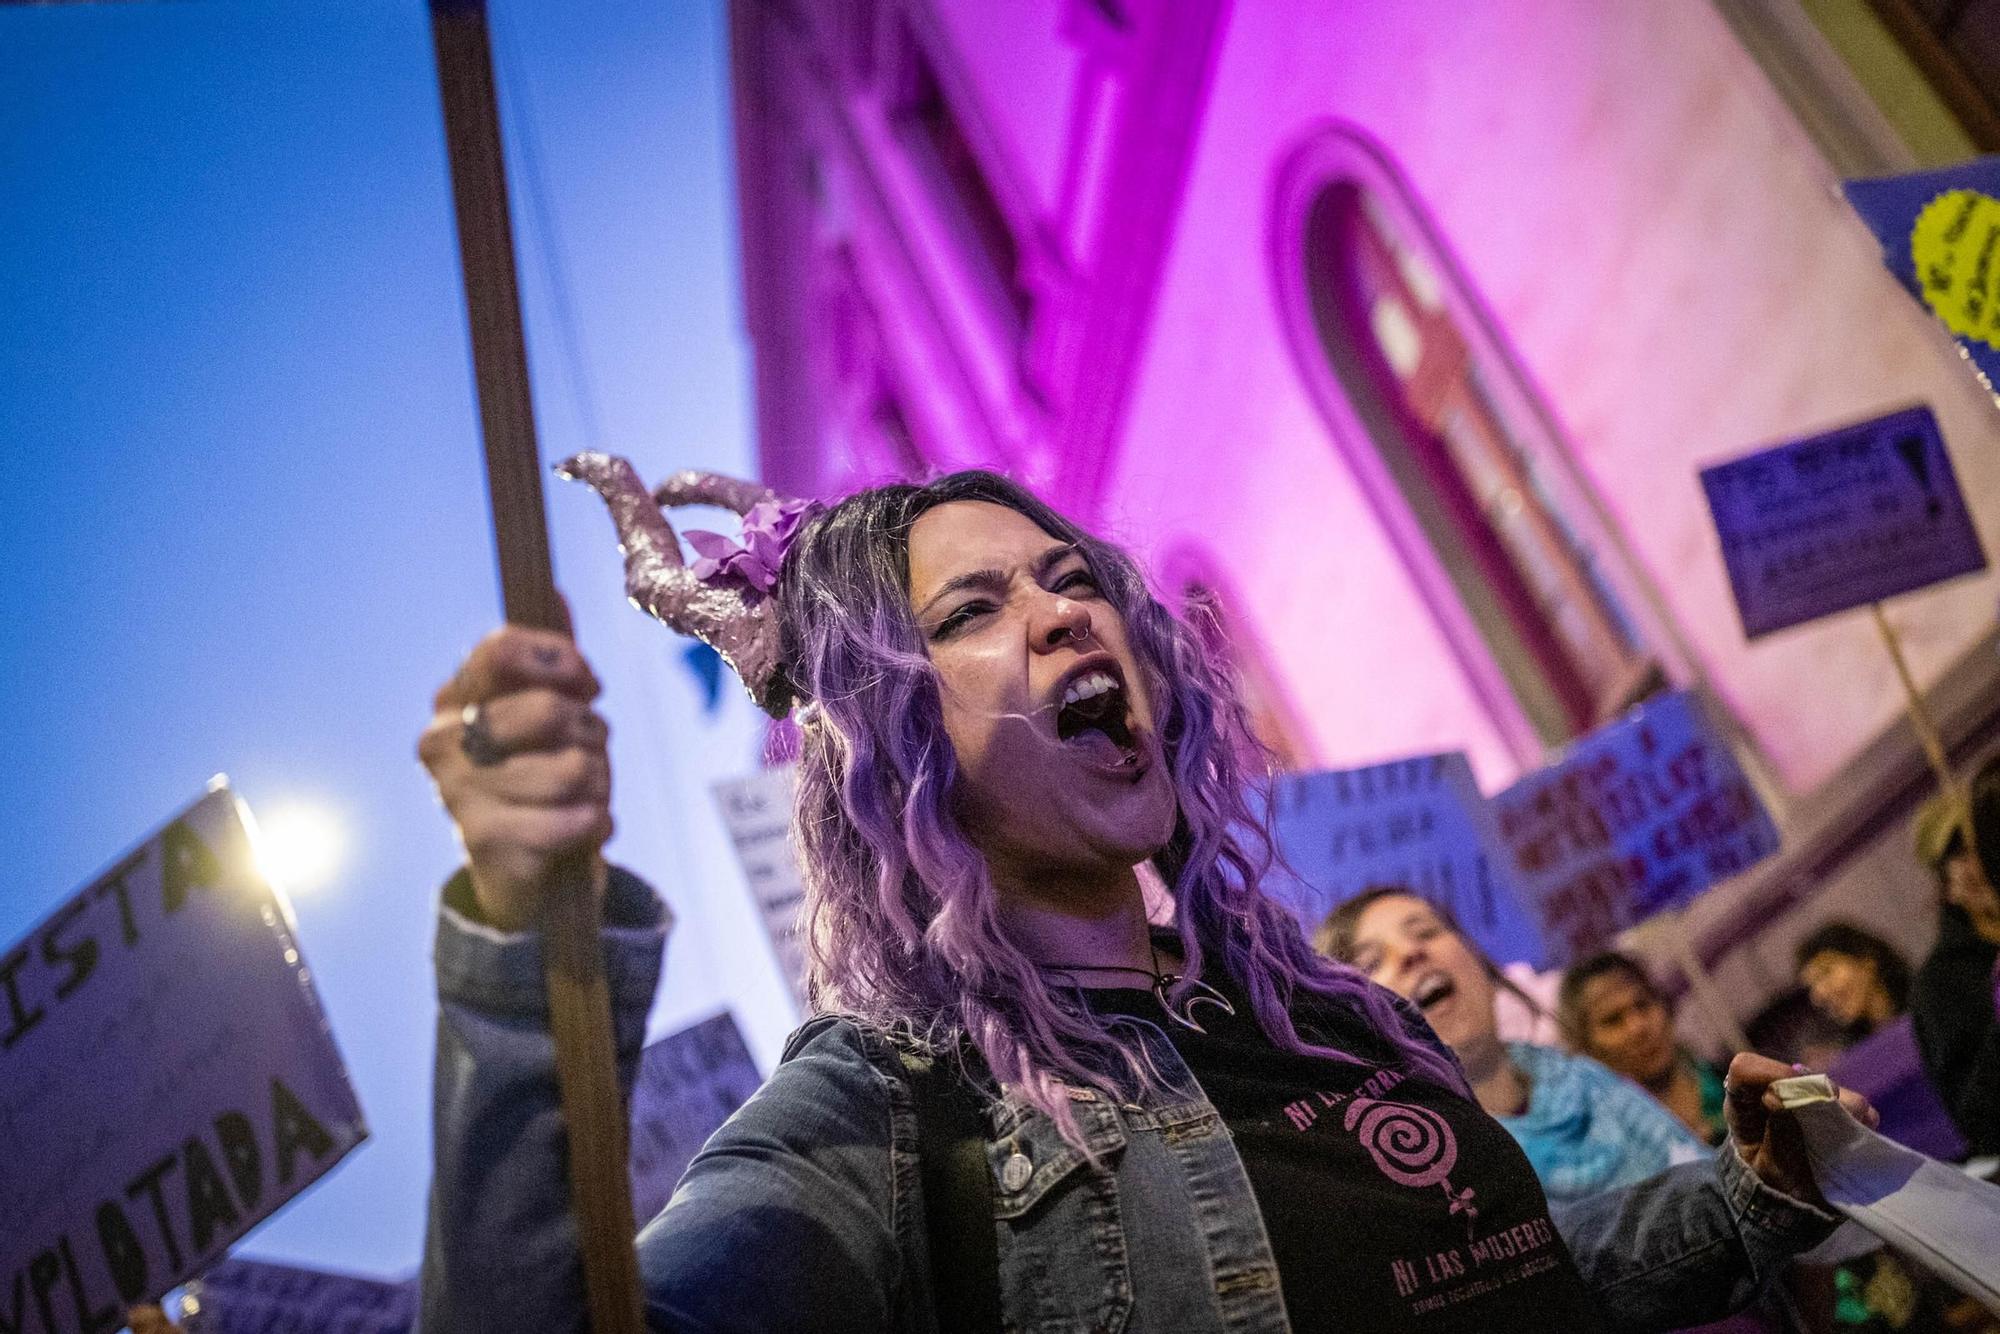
[[1197, 1127]]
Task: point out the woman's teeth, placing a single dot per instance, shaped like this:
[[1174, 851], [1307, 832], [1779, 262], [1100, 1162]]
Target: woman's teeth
[[1430, 990], [1089, 687]]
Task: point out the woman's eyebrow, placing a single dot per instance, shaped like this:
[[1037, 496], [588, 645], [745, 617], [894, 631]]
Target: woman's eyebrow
[[994, 580]]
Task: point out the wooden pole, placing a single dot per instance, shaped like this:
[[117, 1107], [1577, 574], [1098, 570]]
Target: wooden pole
[[579, 1000], [1926, 728], [1921, 721], [1702, 983]]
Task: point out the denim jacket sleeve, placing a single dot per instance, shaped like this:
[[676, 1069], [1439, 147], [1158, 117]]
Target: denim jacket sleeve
[[500, 1245], [1688, 1246], [787, 1219]]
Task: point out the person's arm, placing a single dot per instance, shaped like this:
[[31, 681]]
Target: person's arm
[[1688, 1246], [785, 1220], [1699, 1240], [801, 1176], [500, 1246]]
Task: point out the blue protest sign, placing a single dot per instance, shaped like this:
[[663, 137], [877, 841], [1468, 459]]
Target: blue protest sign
[[259, 1297], [167, 1078], [1940, 235], [688, 1084], [1840, 520], [1637, 817], [1418, 823]]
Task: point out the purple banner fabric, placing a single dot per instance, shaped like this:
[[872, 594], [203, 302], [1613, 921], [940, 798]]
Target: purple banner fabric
[[167, 1078], [1940, 235], [1839, 520], [1639, 816], [1419, 823], [259, 1297], [689, 1082]]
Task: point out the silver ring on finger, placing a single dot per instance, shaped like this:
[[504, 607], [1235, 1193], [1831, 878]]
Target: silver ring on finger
[[475, 740]]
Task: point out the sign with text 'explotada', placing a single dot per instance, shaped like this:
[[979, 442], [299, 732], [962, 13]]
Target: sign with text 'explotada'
[[1840, 520], [758, 812], [1419, 823], [688, 1084], [167, 1079], [1637, 817]]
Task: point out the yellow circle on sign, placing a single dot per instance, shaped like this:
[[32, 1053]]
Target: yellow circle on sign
[[1956, 246]]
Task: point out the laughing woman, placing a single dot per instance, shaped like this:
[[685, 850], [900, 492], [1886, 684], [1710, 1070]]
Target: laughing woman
[[1201, 1127]]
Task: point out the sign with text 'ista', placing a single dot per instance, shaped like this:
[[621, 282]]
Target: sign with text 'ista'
[[242, 1296], [688, 1084], [1637, 817], [1417, 823], [1839, 520], [167, 1079], [758, 812]]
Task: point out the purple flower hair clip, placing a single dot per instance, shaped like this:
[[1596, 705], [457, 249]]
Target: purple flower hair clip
[[751, 565]]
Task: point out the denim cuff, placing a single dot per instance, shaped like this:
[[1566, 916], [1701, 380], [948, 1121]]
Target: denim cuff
[[500, 972], [1791, 1223]]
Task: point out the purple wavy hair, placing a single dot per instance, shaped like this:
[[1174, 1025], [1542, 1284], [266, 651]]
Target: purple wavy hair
[[901, 924]]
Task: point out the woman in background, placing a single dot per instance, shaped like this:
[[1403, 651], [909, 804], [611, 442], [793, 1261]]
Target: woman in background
[[1855, 978], [1611, 1011], [1583, 1128]]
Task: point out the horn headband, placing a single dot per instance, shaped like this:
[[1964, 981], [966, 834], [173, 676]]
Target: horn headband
[[723, 598]]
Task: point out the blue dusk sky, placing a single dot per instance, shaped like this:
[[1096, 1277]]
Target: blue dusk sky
[[244, 519]]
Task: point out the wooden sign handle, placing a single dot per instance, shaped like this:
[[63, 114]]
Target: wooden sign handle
[[579, 1000]]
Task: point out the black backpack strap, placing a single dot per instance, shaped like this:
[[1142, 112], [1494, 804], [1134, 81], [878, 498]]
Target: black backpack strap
[[958, 1198]]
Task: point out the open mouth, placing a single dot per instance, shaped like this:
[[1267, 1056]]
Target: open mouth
[[1432, 988], [1095, 716]]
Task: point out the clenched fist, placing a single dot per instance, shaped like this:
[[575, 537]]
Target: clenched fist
[[518, 756]]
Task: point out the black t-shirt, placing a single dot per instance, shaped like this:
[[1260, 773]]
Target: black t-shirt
[[1392, 1204]]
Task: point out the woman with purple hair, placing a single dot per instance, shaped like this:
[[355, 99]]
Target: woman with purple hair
[[1022, 1102]]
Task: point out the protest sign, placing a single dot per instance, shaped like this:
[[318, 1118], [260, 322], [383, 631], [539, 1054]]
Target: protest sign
[[758, 812], [688, 1084], [1940, 236], [1840, 520], [261, 1297], [167, 1078], [1637, 817], [1418, 823]]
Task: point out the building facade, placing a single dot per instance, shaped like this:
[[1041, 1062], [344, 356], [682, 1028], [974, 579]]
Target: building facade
[[1398, 333]]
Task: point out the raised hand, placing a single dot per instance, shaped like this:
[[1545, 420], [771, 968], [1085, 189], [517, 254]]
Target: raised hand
[[1766, 1136], [519, 759]]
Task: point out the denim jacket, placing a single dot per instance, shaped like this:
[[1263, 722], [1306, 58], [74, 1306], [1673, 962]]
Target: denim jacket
[[805, 1211]]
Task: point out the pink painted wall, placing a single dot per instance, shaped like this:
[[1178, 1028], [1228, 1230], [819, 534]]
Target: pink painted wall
[[1668, 255], [1659, 246]]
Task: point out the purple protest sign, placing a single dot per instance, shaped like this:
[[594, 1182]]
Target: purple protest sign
[[1637, 817], [259, 1297], [167, 1079], [688, 1084], [1839, 520], [1419, 823]]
